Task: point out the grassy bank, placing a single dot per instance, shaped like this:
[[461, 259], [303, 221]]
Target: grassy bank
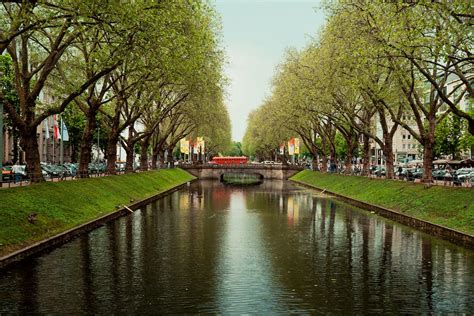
[[447, 206], [63, 205]]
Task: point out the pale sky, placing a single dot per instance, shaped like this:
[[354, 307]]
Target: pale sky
[[255, 36]]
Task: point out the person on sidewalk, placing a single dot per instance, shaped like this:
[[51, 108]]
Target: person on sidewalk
[[16, 170]]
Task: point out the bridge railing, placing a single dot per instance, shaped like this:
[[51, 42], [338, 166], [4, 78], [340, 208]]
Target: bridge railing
[[241, 166]]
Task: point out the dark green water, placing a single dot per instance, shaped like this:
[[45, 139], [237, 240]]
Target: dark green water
[[242, 178], [272, 248]]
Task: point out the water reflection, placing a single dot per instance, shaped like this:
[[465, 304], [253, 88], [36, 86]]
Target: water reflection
[[272, 248], [241, 178]]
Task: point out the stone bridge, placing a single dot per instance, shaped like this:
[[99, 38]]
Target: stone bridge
[[213, 171]]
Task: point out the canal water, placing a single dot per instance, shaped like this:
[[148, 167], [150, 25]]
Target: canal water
[[271, 248]]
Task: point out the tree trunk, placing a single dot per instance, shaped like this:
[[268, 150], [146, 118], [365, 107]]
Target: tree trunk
[[161, 155], [112, 153], [154, 160], [315, 163], [86, 145], [16, 150], [428, 152], [29, 143], [351, 143], [129, 160], [170, 157], [129, 149], [348, 163], [332, 159], [144, 154], [324, 167], [388, 153], [366, 156], [73, 153]]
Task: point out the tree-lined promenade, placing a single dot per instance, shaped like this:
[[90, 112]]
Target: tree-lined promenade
[[151, 69], [376, 68]]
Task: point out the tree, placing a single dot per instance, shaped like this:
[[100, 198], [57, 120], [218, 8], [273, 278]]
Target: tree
[[9, 93], [214, 125], [35, 54], [74, 120], [264, 132], [426, 45], [235, 150], [451, 137], [187, 67]]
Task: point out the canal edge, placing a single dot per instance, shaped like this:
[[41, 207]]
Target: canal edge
[[62, 238], [454, 236]]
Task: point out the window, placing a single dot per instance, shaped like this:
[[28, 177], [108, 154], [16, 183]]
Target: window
[[403, 146], [409, 136], [427, 99], [404, 136]]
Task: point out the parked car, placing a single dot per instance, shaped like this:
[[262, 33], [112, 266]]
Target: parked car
[[440, 174], [408, 173], [418, 173], [97, 167], [380, 171], [63, 171], [373, 169], [44, 173], [463, 175], [469, 177], [72, 167], [7, 173], [399, 172], [52, 171]]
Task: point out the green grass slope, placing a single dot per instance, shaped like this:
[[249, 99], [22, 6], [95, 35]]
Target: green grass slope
[[448, 206], [63, 205]]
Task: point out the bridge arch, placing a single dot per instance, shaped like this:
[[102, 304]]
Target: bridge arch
[[258, 175]]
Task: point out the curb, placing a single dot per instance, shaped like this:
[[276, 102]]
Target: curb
[[62, 238], [449, 234]]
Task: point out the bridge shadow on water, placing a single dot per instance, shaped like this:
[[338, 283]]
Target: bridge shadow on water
[[241, 178]]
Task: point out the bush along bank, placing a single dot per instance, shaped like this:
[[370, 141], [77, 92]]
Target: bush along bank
[[446, 206], [34, 213]]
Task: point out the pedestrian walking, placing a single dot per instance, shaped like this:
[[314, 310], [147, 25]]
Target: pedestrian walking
[[16, 170]]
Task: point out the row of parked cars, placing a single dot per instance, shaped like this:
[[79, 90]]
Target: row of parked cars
[[49, 171], [457, 176]]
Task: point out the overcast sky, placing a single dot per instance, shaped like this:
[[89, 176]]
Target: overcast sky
[[255, 36]]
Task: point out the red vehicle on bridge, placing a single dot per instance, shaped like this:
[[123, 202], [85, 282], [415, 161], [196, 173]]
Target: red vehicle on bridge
[[229, 160]]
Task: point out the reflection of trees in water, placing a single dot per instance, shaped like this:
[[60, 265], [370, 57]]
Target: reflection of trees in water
[[29, 297], [140, 262], [215, 195], [350, 257]]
